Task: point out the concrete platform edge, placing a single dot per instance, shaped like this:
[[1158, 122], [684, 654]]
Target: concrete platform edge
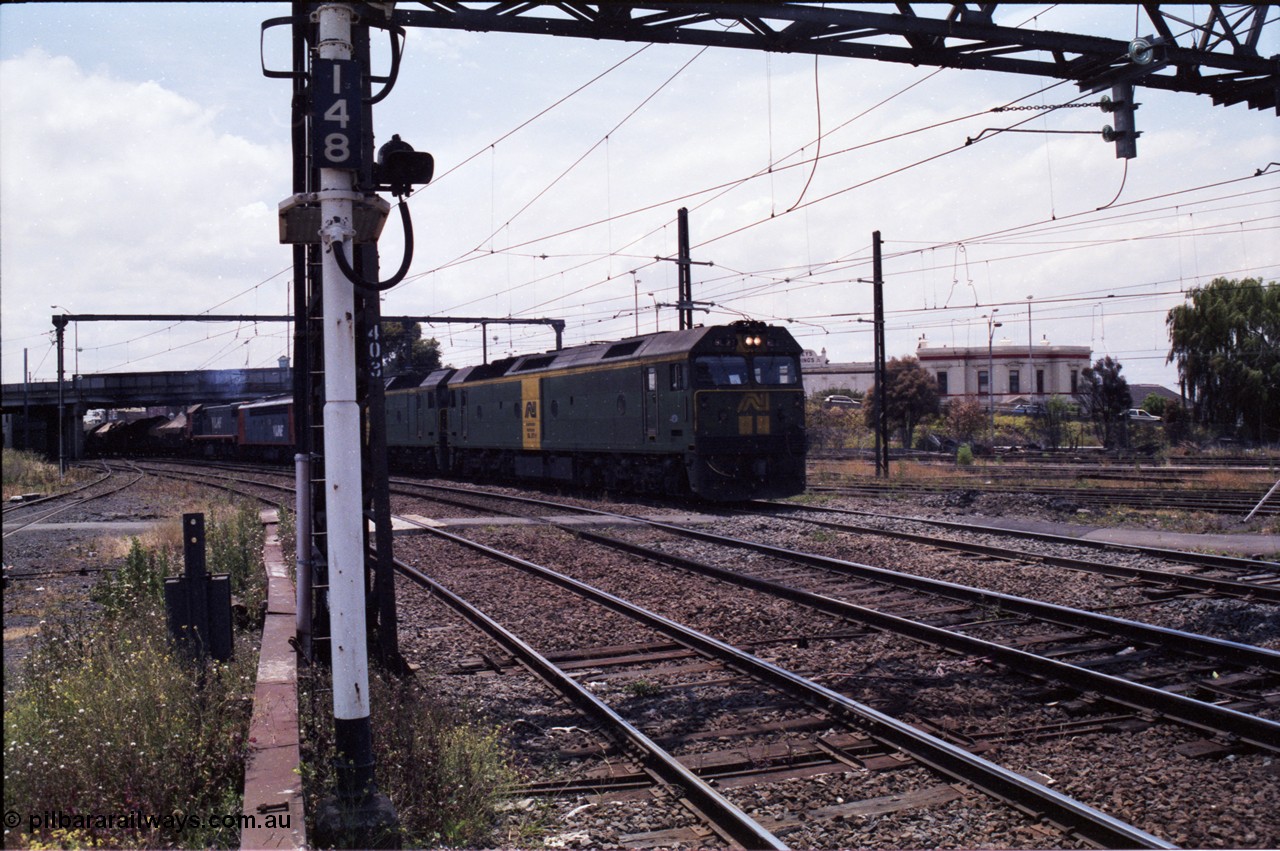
[[272, 776]]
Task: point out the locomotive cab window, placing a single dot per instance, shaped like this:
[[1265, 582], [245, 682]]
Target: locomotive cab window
[[677, 376], [720, 371], [775, 369]]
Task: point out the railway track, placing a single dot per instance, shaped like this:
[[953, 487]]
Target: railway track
[[19, 516], [1222, 502], [232, 479], [1082, 629], [1155, 681], [1242, 566], [1241, 578], [870, 733], [1070, 464]]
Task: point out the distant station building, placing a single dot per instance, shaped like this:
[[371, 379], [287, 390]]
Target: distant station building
[[822, 376], [1014, 372]]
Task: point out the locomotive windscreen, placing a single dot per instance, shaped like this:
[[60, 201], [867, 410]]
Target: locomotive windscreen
[[720, 370], [739, 371], [775, 369]]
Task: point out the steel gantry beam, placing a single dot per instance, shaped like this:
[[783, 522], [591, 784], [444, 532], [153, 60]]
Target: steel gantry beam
[[1217, 56]]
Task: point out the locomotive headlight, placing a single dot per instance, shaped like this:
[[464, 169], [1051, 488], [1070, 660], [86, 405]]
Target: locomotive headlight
[[753, 341]]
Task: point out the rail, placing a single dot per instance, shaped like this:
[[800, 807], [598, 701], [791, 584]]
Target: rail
[[724, 815], [942, 756]]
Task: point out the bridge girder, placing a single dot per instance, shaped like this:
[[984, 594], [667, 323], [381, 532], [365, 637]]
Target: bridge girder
[[1217, 57]]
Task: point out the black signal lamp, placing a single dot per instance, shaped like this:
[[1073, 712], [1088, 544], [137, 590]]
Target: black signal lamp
[[400, 167]]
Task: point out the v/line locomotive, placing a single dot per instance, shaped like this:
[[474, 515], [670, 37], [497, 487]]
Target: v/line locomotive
[[716, 411]]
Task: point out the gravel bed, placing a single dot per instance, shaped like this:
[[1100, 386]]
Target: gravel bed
[[899, 677], [1234, 620], [687, 708]]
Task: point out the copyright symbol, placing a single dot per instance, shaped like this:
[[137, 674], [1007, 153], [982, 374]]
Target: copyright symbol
[[12, 819]]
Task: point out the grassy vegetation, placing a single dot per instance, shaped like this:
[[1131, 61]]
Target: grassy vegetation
[[447, 774], [111, 724], [642, 688], [28, 472]]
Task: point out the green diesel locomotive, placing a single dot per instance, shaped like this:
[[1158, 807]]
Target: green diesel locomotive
[[713, 411]]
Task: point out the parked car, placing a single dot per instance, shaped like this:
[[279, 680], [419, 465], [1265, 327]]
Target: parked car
[[840, 402], [1139, 415], [1033, 409]]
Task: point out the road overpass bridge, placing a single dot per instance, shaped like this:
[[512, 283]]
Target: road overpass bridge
[[31, 410]]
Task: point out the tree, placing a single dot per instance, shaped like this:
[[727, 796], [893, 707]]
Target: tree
[[404, 352], [910, 395], [1052, 425], [1104, 395], [1226, 343], [966, 417], [1154, 404]]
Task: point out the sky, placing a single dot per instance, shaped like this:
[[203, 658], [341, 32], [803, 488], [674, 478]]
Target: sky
[[143, 154]]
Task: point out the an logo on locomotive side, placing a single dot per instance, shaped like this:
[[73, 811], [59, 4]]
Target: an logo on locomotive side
[[753, 414], [531, 428]]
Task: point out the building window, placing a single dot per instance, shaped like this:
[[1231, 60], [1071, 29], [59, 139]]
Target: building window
[[1040, 382], [1015, 382], [942, 382], [1075, 381], [984, 383]]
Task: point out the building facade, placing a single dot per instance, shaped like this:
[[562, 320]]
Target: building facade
[[1014, 373]]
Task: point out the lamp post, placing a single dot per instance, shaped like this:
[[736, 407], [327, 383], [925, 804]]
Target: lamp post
[[60, 324], [76, 368], [1032, 387], [992, 325]]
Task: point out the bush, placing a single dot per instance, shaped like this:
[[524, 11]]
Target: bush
[[964, 456], [137, 585], [235, 538]]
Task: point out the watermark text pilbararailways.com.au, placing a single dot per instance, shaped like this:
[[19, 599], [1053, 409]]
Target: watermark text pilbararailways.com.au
[[138, 820]]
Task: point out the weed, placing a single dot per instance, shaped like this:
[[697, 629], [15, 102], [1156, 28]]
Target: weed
[[108, 718], [643, 688], [445, 773], [287, 532], [821, 536], [28, 472], [234, 537], [137, 586]]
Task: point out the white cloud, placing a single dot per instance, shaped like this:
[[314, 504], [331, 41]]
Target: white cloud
[[124, 196]]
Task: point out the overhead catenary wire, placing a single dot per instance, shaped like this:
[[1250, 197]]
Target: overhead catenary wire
[[733, 184], [747, 284], [970, 241], [773, 167], [602, 140]]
